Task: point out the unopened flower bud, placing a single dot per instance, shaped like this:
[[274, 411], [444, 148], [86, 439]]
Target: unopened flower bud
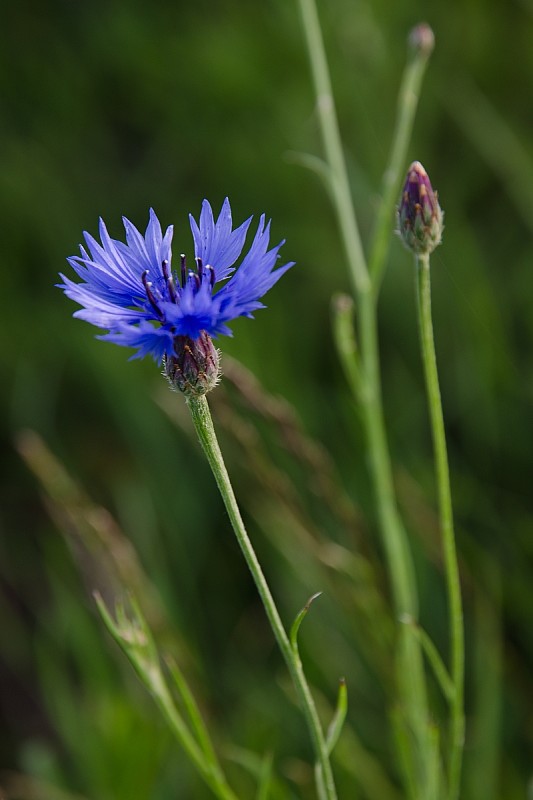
[[194, 367], [420, 218], [422, 39]]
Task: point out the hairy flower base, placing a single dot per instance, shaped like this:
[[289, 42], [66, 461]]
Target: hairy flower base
[[194, 368]]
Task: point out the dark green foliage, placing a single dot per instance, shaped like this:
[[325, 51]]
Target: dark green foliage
[[107, 108]]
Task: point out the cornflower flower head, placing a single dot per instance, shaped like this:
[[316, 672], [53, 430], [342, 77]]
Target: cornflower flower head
[[132, 290]]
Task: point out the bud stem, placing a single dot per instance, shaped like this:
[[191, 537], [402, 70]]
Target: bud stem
[[329, 127], [405, 116], [446, 521], [206, 433]]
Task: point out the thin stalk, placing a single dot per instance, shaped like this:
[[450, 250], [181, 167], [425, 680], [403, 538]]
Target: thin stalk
[[327, 116], [134, 637], [364, 372], [206, 433], [446, 521], [410, 664], [394, 537], [209, 769], [398, 556], [405, 116]]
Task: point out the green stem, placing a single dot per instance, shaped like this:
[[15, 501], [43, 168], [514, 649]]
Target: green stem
[[407, 105], [369, 393], [411, 680], [394, 537], [209, 769], [410, 669], [327, 115], [206, 433], [446, 521], [134, 637], [364, 369]]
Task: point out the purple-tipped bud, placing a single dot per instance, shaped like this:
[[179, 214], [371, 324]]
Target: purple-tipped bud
[[194, 368], [422, 39], [420, 218]]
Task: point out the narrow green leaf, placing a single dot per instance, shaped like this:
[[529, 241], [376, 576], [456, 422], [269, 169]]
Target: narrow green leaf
[[298, 621], [404, 753], [265, 777], [193, 712], [106, 616], [336, 724], [433, 656], [319, 781], [344, 334], [435, 774]]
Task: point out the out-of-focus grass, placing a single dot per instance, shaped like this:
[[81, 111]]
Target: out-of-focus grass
[[108, 108]]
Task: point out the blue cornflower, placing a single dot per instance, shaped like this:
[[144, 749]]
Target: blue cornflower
[[132, 290]]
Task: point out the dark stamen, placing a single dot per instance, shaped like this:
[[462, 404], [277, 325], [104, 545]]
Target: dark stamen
[[211, 272], [169, 280], [199, 267], [193, 276], [183, 270], [150, 295]]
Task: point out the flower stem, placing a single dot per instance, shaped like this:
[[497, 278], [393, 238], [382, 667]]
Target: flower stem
[[446, 521], [327, 115], [364, 371], [394, 536], [410, 666], [370, 394], [206, 433], [405, 116]]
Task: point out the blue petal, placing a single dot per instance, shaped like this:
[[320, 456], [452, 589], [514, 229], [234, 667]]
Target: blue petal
[[254, 277], [98, 310], [150, 341], [215, 242], [113, 271]]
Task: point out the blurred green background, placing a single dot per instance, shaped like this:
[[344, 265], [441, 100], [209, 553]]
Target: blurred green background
[[108, 108]]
